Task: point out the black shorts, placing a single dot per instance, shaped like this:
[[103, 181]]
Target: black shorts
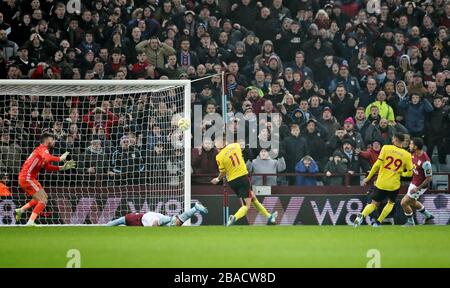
[[241, 186], [379, 195]]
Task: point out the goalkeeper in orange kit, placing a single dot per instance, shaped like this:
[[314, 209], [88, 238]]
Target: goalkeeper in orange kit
[[393, 163]]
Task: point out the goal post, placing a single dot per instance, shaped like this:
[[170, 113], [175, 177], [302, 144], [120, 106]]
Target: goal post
[[142, 162]]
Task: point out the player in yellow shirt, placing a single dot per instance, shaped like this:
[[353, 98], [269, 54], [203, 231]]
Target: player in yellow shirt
[[393, 162], [232, 165]]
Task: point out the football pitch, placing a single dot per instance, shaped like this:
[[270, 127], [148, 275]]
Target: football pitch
[[218, 246]]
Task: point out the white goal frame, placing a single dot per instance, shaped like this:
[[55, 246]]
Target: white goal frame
[[160, 83]]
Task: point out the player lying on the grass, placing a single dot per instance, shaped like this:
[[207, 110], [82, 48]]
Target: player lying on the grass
[[393, 163], [157, 219], [39, 158], [232, 165], [422, 176]]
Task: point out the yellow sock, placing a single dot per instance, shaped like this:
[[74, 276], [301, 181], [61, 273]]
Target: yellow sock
[[368, 209], [241, 212], [386, 210], [261, 209]]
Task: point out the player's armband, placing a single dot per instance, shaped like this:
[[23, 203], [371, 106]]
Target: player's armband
[[427, 169]]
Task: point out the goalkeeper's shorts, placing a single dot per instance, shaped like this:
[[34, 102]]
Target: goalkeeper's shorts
[[241, 186], [30, 186]]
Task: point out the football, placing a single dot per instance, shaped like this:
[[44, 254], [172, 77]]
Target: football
[[183, 124]]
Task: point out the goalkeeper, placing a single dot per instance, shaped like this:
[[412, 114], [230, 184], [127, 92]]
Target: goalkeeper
[[39, 158], [153, 219]]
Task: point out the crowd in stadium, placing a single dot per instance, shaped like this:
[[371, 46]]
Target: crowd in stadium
[[344, 76]]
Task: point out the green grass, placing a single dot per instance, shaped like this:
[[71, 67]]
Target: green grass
[[216, 246]]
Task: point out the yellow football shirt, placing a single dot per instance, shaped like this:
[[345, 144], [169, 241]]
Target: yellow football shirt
[[393, 163], [230, 161]]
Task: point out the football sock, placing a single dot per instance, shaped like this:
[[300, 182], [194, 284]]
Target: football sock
[[29, 205], [425, 212], [261, 209], [386, 210], [187, 214], [241, 212], [368, 209], [410, 218], [117, 222], [36, 211], [164, 220]]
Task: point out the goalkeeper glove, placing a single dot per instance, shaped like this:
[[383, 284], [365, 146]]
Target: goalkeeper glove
[[68, 165], [64, 156]]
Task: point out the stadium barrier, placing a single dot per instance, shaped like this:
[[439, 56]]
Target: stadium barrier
[[305, 205], [299, 209]]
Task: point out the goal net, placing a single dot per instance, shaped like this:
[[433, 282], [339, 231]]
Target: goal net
[[123, 135]]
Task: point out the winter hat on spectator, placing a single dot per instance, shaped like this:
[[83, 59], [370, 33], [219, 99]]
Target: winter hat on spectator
[[352, 36], [226, 21], [287, 19], [311, 120], [288, 69], [240, 44], [327, 109], [189, 12], [376, 139], [348, 141], [338, 154], [300, 116], [350, 120], [343, 65], [313, 26], [273, 57]]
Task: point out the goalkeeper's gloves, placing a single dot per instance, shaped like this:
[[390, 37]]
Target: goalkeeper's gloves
[[68, 165], [64, 156]]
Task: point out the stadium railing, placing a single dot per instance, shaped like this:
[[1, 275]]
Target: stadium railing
[[444, 179]]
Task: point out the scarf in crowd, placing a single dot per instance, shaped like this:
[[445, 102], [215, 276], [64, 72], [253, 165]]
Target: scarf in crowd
[[231, 87]]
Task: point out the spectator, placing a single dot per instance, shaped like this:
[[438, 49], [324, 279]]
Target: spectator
[[351, 84], [127, 164], [383, 131], [335, 169], [9, 48], [351, 133], [371, 154], [384, 110], [352, 160], [361, 122], [343, 103], [309, 166], [10, 153], [156, 51], [264, 164], [316, 138], [416, 109], [329, 121], [204, 161], [437, 124], [94, 164], [295, 147], [369, 94], [335, 141], [22, 61]]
